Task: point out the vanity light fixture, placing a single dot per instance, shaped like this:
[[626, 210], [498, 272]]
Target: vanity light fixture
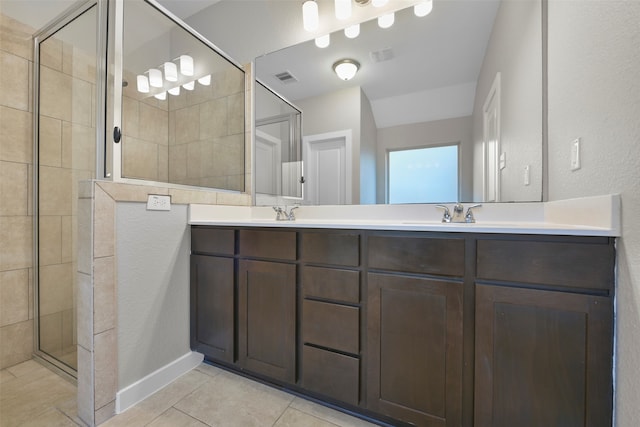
[[423, 8], [175, 91], [205, 81], [386, 21], [323, 41], [170, 72], [346, 68], [186, 65], [143, 83], [155, 77], [310, 17], [343, 9], [189, 86], [352, 31], [161, 96]]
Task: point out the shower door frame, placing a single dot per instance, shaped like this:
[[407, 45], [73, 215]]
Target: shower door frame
[[57, 24]]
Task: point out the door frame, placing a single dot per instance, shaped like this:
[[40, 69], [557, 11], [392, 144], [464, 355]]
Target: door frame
[[491, 104]]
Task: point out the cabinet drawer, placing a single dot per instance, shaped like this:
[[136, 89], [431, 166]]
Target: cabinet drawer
[[331, 248], [332, 284], [268, 244], [331, 325], [417, 255], [212, 240], [579, 265], [331, 374]]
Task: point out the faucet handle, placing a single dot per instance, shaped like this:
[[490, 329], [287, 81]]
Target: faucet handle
[[469, 215], [446, 216], [291, 216]]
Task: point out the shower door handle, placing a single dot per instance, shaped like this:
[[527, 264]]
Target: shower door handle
[[117, 134]]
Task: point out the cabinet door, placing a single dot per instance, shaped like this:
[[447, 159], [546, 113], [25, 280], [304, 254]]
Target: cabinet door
[[414, 366], [267, 318], [543, 358], [212, 306]]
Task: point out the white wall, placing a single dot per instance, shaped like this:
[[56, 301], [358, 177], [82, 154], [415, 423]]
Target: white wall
[[153, 289], [425, 134], [594, 93], [514, 50]]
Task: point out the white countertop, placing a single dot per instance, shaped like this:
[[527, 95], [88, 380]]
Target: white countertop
[[591, 216]]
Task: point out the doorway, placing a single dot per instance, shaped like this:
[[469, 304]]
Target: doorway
[[491, 143], [328, 162]]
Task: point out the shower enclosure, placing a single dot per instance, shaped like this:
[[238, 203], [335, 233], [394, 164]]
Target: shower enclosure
[[123, 91]]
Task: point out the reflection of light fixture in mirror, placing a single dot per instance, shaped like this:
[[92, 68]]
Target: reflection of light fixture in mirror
[[186, 65], [343, 9], [310, 17], [205, 81], [352, 31], [161, 96], [170, 72], [323, 41], [143, 84], [346, 68], [189, 86], [385, 21], [379, 3], [155, 77], [175, 91], [423, 8]]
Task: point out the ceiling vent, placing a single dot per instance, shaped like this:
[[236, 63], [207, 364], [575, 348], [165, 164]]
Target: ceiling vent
[[381, 55], [286, 77]]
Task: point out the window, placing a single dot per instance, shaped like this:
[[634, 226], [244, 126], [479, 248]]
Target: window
[[423, 175]]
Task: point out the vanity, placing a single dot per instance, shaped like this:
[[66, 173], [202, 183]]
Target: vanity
[[414, 322]]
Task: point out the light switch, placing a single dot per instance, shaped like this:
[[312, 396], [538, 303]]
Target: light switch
[[503, 160], [575, 154]]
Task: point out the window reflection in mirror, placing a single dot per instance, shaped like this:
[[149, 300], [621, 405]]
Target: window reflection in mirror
[[183, 106], [278, 166]]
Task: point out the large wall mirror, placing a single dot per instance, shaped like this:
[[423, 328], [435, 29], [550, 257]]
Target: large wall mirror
[[464, 82]]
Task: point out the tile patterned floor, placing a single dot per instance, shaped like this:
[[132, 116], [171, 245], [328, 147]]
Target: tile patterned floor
[[31, 395]]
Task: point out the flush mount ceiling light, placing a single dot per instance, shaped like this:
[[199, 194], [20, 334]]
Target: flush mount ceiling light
[[386, 21], [346, 68], [352, 31], [155, 77], [310, 17], [143, 84], [205, 81], [323, 41], [186, 65], [170, 72], [423, 8], [343, 9]]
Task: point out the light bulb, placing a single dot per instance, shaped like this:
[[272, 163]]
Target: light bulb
[[385, 21], [170, 72], [205, 81], [379, 3], [352, 31], [175, 91], [143, 84], [155, 77], [423, 8], [323, 41], [186, 65], [310, 17], [189, 86], [161, 96], [343, 9]]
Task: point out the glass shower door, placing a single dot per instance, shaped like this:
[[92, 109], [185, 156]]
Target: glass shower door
[[65, 154]]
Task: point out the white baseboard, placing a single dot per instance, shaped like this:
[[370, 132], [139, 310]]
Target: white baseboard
[[145, 387]]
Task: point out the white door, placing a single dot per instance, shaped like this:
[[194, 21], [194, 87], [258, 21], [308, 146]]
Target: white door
[[268, 158], [491, 131], [327, 158]]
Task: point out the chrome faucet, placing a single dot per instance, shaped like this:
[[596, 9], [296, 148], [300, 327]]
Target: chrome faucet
[[283, 215], [458, 213]]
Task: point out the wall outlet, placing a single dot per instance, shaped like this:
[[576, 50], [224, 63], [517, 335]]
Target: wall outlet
[[575, 154], [156, 202]]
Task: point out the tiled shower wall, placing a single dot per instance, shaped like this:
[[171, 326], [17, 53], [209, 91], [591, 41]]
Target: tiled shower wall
[[16, 273], [195, 138]]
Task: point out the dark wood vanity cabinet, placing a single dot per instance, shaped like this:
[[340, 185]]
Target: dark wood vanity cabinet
[[414, 328]]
